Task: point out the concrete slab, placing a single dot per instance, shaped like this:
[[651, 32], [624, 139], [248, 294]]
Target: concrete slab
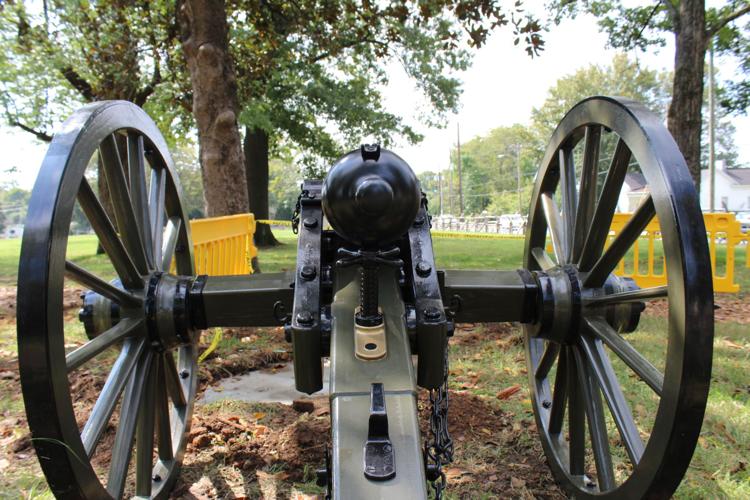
[[263, 386]]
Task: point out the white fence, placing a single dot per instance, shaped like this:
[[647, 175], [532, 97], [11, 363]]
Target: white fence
[[496, 224]]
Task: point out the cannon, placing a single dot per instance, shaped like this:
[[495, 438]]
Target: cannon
[[366, 293]]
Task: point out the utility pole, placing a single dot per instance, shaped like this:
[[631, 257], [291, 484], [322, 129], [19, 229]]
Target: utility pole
[[711, 129], [450, 182], [460, 184], [440, 190], [518, 176]]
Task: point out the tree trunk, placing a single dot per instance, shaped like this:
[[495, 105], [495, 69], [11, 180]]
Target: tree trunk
[[684, 117], [205, 43], [256, 169]]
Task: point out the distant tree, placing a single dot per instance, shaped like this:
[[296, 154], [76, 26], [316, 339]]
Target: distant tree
[[645, 26]]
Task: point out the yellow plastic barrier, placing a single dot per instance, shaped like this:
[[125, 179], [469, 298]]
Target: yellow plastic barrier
[[224, 245], [651, 271]]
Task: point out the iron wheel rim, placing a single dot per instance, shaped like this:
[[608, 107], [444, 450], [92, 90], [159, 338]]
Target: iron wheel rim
[[676, 427], [42, 269]]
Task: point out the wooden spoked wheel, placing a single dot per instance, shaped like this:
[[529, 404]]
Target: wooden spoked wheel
[[130, 439], [618, 395]]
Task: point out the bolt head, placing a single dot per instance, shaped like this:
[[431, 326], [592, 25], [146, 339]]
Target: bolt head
[[432, 314], [156, 477], [308, 272], [423, 269], [310, 222], [184, 374], [547, 403], [418, 221], [305, 318]]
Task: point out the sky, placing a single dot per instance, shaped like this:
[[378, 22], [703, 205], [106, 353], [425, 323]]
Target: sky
[[501, 88]]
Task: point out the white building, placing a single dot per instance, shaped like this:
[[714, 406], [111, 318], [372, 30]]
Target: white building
[[732, 192], [632, 192]]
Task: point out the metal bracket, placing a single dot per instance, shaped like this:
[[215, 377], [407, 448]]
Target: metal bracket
[[380, 461], [305, 328], [432, 325]]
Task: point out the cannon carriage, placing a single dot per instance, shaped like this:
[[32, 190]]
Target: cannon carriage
[[366, 293]]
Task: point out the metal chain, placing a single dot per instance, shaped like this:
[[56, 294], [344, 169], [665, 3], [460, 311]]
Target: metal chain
[[297, 210], [439, 451]]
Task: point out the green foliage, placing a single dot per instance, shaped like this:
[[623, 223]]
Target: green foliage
[[54, 59], [283, 187], [311, 73], [189, 174], [623, 77]]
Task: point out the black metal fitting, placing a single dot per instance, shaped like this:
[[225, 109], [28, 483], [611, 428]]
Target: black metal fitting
[[380, 460], [310, 222], [304, 318], [370, 151]]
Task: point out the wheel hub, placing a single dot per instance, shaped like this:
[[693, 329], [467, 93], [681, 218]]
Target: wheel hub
[[166, 310], [563, 301], [559, 304]]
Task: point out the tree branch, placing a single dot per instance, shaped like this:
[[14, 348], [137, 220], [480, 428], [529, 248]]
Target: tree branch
[[728, 19], [78, 83], [42, 136]]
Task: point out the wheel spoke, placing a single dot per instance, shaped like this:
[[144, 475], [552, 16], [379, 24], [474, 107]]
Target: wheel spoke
[[639, 295], [157, 210], [172, 233], [121, 203], [605, 208], [549, 357], [576, 419], [555, 226], [144, 459], [597, 426], [622, 242], [107, 400], [163, 422], [559, 397], [569, 197], [587, 191], [542, 259], [108, 238], [627, 353], [85, 278], [602, 370], [123, 447], [125, 327], [172, 381], [138, 191]]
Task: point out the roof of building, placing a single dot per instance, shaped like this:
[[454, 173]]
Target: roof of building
[[635, 181], [738, 175]]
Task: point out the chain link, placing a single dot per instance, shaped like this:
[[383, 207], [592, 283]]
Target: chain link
[[297, 210], [439, 451]]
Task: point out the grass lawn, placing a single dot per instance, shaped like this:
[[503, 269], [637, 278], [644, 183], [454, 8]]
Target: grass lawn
[[719, 469]]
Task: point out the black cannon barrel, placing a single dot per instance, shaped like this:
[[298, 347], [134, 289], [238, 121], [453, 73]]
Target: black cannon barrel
[[371, 196]]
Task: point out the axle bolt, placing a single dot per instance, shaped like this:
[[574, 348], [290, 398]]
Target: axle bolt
[[310, 222], [308, 273], [423, 269], [305, 318], [432, 314], [184, 374]]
